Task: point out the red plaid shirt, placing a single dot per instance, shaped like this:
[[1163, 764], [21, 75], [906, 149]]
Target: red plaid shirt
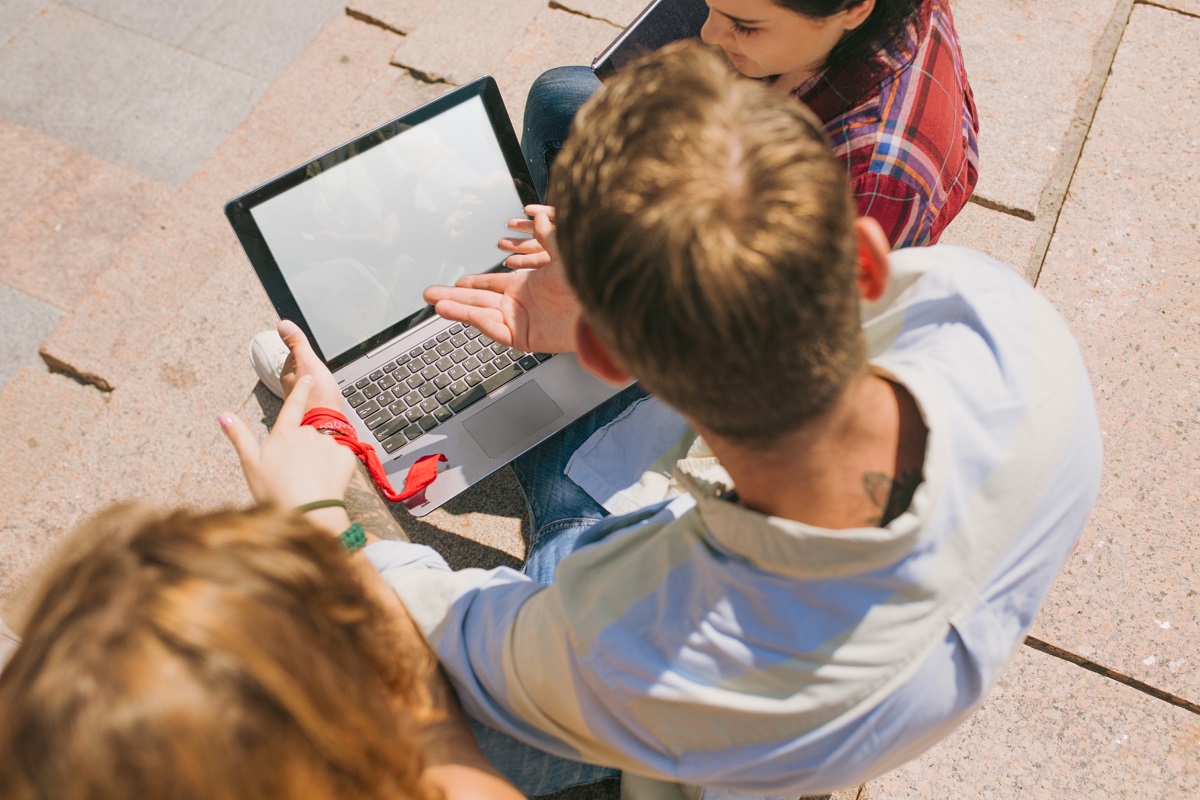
[[906, 129]]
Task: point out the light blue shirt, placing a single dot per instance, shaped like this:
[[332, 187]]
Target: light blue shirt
[[706, 643]]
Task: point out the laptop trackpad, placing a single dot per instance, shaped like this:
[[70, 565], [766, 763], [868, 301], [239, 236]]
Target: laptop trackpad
[[512, 418]]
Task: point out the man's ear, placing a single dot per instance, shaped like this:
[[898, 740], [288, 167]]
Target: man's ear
[[874, 271], [595, 356], [857, 15]]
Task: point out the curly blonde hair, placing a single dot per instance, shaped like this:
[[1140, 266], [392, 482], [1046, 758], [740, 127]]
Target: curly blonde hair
[[201, 656]]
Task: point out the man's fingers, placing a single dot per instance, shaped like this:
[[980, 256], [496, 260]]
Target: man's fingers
[[535, 260], [533, 209], [522, 244], [489, 321], [484, 297], [295, 405]]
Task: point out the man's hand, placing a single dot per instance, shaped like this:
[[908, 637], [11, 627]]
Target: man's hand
[[532, 309], [296, 464]]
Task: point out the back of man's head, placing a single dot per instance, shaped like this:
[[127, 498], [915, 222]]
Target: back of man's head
[[709, 234]]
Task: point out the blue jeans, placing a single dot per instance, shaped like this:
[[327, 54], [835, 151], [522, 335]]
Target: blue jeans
[[561, 515], [549, 110]]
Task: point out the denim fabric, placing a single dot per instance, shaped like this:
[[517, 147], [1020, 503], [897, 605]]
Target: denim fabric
[[559, 510], [553, 100], [534, 772], [560, 514]]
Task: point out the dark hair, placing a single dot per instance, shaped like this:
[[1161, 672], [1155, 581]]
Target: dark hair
[[880, 30]]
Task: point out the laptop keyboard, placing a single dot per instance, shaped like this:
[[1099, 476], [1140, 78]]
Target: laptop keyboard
[[413, 394]]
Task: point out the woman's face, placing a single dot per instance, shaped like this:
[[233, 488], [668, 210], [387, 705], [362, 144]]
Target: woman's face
[[761, 38]]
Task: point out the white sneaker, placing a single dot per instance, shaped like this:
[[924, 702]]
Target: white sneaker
[[267, 354]]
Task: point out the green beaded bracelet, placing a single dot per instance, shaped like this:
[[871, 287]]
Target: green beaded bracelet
[[353, 538]]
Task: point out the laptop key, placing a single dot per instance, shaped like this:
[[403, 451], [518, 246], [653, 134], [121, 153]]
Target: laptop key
[[349, 390], [488, 370], [367, 409], [372, 390], [378, 419], [388, 367], [387, 382], [428, 389], [429, 404], [443, 336], [362, 382], [394, 443], [395, 426], [413, 431], [427, 423], [376, 375], [444, 396], [357, 399], [528, 362], [412, 398], [473, 379], [442, 413], [543, 356], [477, 393]]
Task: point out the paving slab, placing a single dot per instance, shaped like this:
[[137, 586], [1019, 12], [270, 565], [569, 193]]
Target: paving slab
[[37, 445], [1186, 6], [104, 337], [232, 35], [165, 20], [30, 160], [24, 322], [1124, 267], [463, 39], [1035, 69], [76, 71], [1009, 239], [400, 16], [616, 12], [556, 38], [16, 16], [69, 229], [1050, 730]]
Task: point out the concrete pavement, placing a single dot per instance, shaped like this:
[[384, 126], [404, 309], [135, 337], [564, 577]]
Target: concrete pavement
[[126, 125]]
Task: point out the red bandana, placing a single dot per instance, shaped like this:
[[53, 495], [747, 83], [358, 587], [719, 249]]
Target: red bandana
[[422, 473]]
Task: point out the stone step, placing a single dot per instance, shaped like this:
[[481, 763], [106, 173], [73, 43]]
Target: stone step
[[463, 39], [311, 108]]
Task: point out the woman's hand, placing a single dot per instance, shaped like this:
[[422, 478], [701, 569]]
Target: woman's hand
[[296, 464]]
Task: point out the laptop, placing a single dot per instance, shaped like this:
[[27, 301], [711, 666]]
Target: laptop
[[345, 245], [659, 24]]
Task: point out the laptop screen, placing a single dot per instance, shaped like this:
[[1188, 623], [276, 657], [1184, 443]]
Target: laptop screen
[[358, 243]]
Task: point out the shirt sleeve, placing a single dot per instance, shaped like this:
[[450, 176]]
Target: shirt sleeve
[[902, 211]]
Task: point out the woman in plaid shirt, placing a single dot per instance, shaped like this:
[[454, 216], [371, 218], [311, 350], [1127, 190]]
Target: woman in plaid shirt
[[884, 76]]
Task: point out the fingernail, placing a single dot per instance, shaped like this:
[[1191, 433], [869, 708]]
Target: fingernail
[[224, 420]]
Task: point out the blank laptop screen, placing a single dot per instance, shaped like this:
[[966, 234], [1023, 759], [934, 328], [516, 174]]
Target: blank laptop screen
[[358, 243]]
